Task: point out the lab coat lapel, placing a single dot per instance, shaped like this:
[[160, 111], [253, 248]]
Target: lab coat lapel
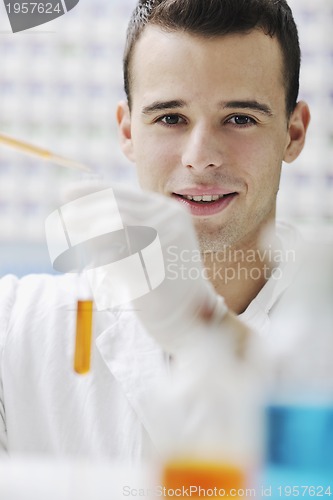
[[136, 362]]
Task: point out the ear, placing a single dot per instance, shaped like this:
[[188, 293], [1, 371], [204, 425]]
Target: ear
[[124, 126], [297, 127]]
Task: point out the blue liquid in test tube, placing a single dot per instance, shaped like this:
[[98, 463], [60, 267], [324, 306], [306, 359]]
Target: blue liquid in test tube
[[299, 451]]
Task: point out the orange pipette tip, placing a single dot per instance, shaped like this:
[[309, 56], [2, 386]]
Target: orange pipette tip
[[83, 336]]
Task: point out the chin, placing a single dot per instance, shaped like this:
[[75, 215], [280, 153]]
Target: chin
[[215, 240]]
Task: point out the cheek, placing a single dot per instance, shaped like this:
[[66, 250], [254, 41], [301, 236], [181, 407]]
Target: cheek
[[156, 156], [265, 180], [261, 166], [154, 163], [150, 142], [245, 151]]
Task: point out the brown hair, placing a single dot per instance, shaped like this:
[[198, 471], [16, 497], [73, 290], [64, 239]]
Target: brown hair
[[211, 18]]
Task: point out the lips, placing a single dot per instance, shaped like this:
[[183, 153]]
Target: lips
[[205, 203]]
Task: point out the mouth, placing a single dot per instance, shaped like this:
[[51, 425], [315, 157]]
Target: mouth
[[205, 204]]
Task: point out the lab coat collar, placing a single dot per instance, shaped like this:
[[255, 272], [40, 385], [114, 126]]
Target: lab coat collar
[[259, 312]]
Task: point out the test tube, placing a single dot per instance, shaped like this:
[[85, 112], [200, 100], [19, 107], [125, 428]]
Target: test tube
[[84, 327]]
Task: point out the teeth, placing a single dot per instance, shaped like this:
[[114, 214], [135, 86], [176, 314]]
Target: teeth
[[205, 197]]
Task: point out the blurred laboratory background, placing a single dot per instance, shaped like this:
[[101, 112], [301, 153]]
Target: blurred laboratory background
[[59, 86]]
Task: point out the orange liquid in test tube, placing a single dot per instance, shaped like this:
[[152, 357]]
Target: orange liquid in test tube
[[182, 475], [83, 336]]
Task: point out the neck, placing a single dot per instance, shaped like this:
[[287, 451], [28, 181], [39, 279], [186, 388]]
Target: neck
[[238, 273]]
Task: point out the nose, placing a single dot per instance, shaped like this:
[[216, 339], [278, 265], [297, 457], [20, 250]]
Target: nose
[[203, 149]]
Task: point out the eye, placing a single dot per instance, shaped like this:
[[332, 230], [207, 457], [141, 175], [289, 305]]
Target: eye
[[241, 121], [171, 120]]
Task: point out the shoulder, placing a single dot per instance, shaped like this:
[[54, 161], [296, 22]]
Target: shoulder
[[37, 288], [22, 300]]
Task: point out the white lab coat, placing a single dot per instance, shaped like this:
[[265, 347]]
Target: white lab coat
[[50, 409], [46, 408]]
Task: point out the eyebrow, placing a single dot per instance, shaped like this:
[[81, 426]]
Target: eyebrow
[[254, 105], [176, 104], [163, 105]]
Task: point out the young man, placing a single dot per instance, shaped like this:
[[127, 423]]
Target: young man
[[212, 110], [211, 113]]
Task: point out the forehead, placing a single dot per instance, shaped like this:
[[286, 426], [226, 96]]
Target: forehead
[[180, 62]]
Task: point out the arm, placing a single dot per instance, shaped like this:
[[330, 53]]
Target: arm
[[3, 430], [7, 297]]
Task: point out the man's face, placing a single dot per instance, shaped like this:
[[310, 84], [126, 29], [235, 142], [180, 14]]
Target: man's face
[[208, 120]]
